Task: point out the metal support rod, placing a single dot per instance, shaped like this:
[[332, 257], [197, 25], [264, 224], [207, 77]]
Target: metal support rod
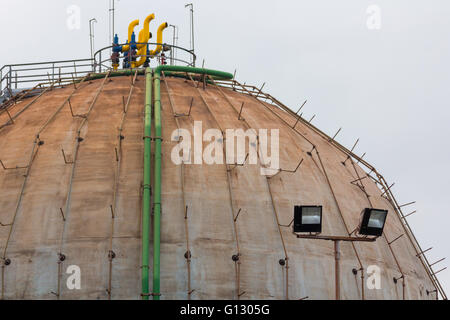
[[91, 36], [391, 242], [240, 112], [406, 204], [360, 158], [388, 188], [337, 256], [298, 118], [434, 273], [64, 156], [424, 251], [62, 214], [191, 6], [407, 215], [437, 262], [335, 135]]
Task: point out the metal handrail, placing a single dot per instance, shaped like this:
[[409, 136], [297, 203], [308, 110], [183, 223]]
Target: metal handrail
[[98, 62], [14, 76]]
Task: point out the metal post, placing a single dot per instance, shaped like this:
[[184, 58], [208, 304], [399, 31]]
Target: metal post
[[100, 63], [174, 41], [337, 255], [9, 86], [192, 30], [91, 35], [111, 23]]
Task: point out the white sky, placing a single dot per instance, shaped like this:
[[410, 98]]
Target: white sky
[[388, 87]]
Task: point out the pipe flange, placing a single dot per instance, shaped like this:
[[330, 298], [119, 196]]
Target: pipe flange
[[235, 257], [7, 262], [187, 255], [61, 257], [282, 262]]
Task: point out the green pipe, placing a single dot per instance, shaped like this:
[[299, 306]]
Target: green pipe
[[157, 174], [147, 180], [118, 73]]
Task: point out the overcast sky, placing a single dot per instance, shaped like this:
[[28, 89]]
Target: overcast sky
[[388, 86]]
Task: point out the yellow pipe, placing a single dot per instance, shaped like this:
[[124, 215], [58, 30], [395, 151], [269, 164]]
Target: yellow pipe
[[159, 39], [131, 27], [146, 31], [141, 52], [144, 37], [141, 39]]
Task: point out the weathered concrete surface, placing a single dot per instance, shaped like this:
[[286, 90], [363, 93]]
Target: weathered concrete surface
[[36, 236]]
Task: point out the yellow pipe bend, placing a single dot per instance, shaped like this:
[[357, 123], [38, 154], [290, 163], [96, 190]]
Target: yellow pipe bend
[[159, 39], [143, 50], [131, 27], [146, 30], [144, 37]]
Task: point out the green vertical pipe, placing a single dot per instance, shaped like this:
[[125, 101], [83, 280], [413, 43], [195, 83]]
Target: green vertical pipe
[[157, 194], [147, 176], [157, 174]]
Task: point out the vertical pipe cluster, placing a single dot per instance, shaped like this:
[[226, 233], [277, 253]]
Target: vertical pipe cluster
[[146, 192]]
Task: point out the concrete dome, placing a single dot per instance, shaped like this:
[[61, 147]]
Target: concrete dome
[[89, 207]]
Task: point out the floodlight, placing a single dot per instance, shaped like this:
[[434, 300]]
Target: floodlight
[[372, 222], [308, 219]]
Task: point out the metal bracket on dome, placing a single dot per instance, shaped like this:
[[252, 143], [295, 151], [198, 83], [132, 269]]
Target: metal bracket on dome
[[360, 158], [388, 188], [191, 292], [64, 156], [112, 212], [287, 225], [351, 151], [239, 165], [237, 216], [407, 215], [240, 112], [16, 168], [9, 115], [179, 115], [75, 115], [10, 224], [391, 242], [423, 251], [357, 180], [62, 214], [298, 118], [288, 171], [335, 135]]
